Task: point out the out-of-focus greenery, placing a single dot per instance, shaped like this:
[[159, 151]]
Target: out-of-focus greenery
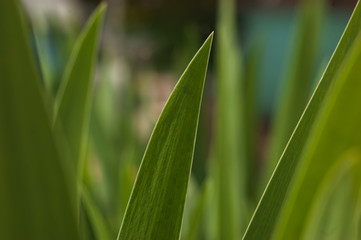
[[73, 132]]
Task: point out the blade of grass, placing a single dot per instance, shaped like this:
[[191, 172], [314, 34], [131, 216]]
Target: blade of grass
[[35, 184], [336, 130], [72, 106], [264, 218], [155, 208]]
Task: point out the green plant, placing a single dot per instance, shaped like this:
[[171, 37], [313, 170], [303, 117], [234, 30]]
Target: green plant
[[46, 190], [313, 149], [42, 162]]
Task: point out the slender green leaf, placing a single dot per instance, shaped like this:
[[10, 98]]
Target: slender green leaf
[[251, 86], [35, 185], [98, 223], [230, 155], [194, 211], [155, 208], [267, 212], [73, 101]]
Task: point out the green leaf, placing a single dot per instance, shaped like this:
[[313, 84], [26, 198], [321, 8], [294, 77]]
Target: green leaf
[[251, 89], [336, 131], [72, 109], [98, 223], [230, 155], [35, 184], [332, 213], [155, 208], [268, 209], [194, 210]]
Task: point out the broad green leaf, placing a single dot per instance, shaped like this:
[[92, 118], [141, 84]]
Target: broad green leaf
[[268, 209], [230, 156], [35, 185], [73, 101], [155, 208], [336, 130], [297, 87]]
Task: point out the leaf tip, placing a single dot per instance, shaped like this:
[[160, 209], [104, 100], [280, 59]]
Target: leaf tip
[[210, 37], [103, 6]]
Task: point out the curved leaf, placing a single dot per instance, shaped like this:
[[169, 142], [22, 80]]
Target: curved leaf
[[337, 129], [72, 107], [268, 209], [155, 208]]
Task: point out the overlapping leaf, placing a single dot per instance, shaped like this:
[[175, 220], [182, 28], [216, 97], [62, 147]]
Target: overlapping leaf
[[268, 210], [74, 97], [36, 196], [336, 130]]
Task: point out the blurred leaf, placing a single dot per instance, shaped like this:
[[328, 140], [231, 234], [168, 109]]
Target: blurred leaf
[[251, 87], [212, 203], [98, 223], [73, 101], [35, 184], [230, 155], [155, 208], [267, 212], [297, 87], [333, 212], [194, 210]]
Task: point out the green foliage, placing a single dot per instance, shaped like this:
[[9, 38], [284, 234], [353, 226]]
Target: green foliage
[[155, 208], [36, 185], [313, 193], [321, 150], [72, 106], [301, 148], [300, 75], [230, 159]]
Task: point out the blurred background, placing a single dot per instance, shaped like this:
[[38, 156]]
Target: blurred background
[[145, 47]]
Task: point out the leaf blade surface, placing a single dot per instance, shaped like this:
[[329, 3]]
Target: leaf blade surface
[[155, 208]]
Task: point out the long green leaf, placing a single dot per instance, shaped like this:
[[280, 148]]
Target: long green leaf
[[98, 223], [36, 197], [155, 208], [230, 154], [74, 97], [337, 129], [194, 210], [268, 209]]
